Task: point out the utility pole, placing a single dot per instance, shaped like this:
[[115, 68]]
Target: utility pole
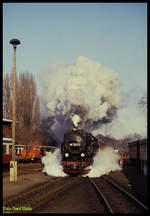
[[13, 163]]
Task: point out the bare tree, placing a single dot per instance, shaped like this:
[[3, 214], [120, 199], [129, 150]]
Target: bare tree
[[36, 119], [27, 106], [7, 97]]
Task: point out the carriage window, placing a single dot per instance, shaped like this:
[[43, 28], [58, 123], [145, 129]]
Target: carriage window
[[10, 149], [4, 148]]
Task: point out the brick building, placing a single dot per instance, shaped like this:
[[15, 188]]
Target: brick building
[[7, 128], [7, 136]]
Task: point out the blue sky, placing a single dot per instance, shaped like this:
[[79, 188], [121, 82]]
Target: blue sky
[[113, 33]]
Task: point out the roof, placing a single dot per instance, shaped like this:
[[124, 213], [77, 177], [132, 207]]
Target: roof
[[133, 141], [7, 139], [41, 146], [7, 120], [19, 145], [140, 141], [144, 140]]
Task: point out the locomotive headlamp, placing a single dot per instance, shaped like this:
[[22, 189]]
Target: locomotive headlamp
[[66, 154], [82, 154]]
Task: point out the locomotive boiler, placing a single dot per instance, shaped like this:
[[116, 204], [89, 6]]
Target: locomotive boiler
[[78, 149]]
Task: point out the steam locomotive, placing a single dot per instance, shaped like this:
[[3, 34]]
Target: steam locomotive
[[78, 149]]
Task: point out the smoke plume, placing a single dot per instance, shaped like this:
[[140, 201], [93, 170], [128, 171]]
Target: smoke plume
[[85, 89]]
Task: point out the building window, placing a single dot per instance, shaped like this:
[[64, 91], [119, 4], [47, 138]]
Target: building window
[[10, 149]]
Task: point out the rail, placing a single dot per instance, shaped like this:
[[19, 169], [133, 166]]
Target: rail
[[107, 206], [126, 193]]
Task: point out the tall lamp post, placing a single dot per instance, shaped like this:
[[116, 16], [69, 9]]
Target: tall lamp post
[[13, 163]]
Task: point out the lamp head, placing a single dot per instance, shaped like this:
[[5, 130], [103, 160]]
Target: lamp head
[[14, 42]]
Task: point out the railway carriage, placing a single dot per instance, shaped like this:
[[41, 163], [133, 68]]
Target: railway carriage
[[7, 150], [29, 152], [138, 149], [33, 152], [143, 149], [133, 150], [138, 153], [19, 148]]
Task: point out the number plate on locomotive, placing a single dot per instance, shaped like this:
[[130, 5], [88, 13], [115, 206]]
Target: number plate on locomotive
[[75, 144]]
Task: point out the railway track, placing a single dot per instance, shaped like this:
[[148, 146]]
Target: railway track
[[121, 201], [77, 195]]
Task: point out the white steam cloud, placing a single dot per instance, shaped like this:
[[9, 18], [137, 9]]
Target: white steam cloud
[[76, 120], [131, 119], [106, 160], [86, 89], [52, 164]]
